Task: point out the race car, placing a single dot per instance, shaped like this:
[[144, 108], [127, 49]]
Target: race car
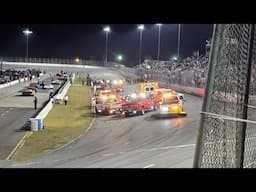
[[137, 104], [62, 78], [172, 105], [149, 87], [33, 85], [48, 86], [109, 105], [28, 92], [56, 82], [61, 73], [102, 95], [118, 85], [100, 85], [163, 93]]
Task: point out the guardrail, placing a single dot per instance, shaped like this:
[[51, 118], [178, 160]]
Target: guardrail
[[61, 94], [72, 62], [46, 108], [14, 82]]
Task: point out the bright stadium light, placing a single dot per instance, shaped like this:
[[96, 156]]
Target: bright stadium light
[[119, 57], [27, 32], [174, 58], [106, 29], [77, 60], [141, 27]]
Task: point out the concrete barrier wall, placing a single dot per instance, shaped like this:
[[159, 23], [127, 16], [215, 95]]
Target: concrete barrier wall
[[200, 92], [49, 65], [14, 82], [45, 111], [63, 92]]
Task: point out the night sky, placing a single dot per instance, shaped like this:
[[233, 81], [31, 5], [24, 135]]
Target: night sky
[[88, 41]]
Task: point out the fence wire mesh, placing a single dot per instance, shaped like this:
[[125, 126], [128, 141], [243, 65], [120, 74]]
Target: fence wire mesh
[[225, 143]]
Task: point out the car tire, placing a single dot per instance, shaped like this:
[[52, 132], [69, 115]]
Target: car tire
[[107, 112], [96, 111], [142, 111]]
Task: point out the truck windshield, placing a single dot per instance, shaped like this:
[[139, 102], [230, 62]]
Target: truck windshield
[[171, 100]]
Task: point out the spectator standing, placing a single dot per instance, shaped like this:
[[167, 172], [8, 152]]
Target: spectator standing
[[66, 100], [51, 94], [35, 102]]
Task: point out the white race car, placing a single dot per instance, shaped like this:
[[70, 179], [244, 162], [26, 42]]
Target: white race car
[[56, 82], [49, 86]]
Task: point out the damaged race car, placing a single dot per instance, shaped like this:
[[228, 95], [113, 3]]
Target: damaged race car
[[172, 105], [138, 104], [108, 105]]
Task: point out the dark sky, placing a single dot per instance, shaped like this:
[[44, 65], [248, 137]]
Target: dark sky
[[88, 40]]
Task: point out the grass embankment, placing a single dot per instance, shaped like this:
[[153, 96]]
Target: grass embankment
[[62, 124]]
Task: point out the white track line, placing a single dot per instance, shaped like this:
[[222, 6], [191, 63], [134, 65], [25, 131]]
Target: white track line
[[169, 147], [108, 154], [151, 165]]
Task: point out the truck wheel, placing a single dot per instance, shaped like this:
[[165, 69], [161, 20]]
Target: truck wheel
[[96, 111], [142, 111], [107, 112]]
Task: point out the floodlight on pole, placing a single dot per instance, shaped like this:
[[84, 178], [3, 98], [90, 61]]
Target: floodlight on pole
[[119, 57], [107, 30], [178, 54], [159, 39], [27, 32], [141, 28]]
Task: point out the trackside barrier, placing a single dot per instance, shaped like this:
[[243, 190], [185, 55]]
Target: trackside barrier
[[64, 91], [50, 65], [36, 123], [200, 92], [15, 82]]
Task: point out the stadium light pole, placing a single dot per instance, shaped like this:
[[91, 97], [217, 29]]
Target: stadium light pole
[[178, 51], [1, 64], [27, 32], [141, 28], [107, 30], [159, 39]]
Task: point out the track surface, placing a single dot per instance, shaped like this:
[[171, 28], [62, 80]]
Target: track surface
[[134, 142], [15, 110]]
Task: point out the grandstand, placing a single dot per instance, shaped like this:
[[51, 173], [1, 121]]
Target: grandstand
[[190, 71]]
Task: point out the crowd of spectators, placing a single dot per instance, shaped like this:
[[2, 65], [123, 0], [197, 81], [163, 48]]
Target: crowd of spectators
[[13, 74], [190, 71]]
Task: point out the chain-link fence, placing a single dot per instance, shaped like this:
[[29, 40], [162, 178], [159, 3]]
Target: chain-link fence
[[227, 131]]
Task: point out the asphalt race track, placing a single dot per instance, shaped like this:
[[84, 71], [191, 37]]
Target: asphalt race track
[[15, 110], [135, 142]]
